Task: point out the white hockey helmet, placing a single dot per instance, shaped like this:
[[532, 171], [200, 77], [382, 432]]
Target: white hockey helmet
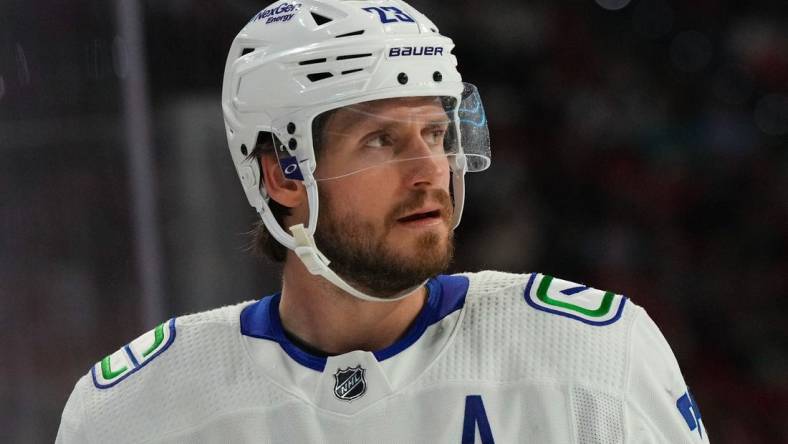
[[296, 59]]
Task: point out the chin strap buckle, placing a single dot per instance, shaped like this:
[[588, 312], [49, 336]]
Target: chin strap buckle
[[307, 251]]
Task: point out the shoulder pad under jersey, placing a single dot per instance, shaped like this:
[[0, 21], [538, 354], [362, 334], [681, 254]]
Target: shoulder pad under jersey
[[575, 301], [133, 356]]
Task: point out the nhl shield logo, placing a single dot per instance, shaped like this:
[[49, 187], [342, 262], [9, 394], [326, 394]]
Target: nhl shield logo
[[350, 384]]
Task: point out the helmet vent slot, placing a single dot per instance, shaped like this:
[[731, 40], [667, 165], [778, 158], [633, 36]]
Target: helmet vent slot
[[353, 56], [312, 61], [350, 34], [321, 19], [318, 76], [246, 51], [351, 71]]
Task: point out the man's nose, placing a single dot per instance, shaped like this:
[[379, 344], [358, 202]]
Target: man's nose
[[422, 163]]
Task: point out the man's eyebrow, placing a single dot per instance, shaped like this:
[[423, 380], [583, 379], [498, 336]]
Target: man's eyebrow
[[350, 119], [356, 119], [438, 121]]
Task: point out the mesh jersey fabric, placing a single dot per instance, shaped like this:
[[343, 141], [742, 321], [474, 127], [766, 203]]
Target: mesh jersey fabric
[[538, 376]]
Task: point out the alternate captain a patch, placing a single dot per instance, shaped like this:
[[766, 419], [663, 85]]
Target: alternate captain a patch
[[133, 356], [575, 301]]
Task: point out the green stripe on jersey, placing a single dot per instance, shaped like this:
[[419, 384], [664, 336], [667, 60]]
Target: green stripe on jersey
[[106, 369], [602, 310], [158, 336]]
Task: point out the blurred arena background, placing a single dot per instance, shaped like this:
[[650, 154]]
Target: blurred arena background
[[639, 146]]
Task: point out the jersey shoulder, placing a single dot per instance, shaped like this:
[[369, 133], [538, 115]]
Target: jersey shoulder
[[531, 327], [134, 356], [160, 370], [122, 365], [551, 295]]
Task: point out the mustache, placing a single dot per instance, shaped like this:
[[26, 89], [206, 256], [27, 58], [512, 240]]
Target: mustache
[[417, 199]]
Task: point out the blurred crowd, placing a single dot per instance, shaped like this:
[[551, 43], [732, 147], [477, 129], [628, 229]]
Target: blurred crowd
[[638, 146]]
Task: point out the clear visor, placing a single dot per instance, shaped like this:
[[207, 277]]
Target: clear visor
[[394, 132]]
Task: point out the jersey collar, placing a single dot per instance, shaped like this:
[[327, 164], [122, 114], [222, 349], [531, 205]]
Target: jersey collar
[[446, 294]]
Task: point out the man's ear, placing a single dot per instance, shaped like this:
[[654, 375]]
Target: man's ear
[[286, 192]]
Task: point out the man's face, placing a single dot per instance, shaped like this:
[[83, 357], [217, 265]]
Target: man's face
[[385, 212]]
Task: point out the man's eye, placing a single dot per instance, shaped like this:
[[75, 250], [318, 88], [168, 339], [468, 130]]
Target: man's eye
[[435, 136], [379, 141]]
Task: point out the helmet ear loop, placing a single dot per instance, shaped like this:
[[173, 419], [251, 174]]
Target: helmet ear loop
[[276, 228]]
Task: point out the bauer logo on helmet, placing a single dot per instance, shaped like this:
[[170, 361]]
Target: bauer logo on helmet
[[404, 51]]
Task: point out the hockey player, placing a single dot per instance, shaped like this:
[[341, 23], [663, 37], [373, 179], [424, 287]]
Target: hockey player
[[351, 131]]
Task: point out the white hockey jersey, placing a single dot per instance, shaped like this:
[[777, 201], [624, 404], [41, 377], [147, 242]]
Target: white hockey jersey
[[492, 357]]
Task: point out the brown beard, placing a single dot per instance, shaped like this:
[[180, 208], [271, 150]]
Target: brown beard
[[359, 254]]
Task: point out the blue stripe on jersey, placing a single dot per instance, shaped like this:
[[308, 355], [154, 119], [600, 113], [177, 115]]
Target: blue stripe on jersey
[[131, 355], [261, 320], [446, 294]]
